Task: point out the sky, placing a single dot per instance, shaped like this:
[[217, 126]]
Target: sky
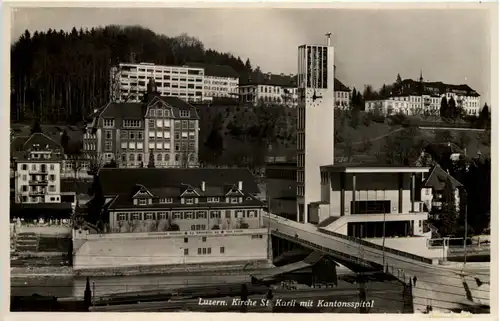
[[371, 46]]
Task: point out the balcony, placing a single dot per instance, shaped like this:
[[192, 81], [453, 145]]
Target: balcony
[[39, 170], [41, 182]]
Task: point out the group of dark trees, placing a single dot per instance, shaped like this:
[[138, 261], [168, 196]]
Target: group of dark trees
[[58, 76]]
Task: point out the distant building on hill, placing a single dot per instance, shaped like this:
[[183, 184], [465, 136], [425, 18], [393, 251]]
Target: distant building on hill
[[272, 89], [219, 80], [419, 97]]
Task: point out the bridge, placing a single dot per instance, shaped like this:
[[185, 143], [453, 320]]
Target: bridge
[[436, 286]]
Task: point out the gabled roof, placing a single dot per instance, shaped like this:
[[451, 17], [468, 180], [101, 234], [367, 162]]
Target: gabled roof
[[259, 78], [339, 86], [438, 177], [115, 181], [123, 111], [177, 104], [215, 70], [41, 140]]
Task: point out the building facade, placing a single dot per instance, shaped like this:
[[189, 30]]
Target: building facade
[[219, 80], [37, 169], [416, 98], [129, 82], [342, 95], [269, 89], [180, 216], [161, 130], [315, 122]]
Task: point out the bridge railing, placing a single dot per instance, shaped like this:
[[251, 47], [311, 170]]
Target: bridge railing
[[378, 247]]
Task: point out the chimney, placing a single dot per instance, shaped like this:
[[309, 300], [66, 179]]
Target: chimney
[[203, 186], [240, 185]]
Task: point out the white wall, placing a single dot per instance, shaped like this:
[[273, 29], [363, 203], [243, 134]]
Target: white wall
[[414, 245], [135, 249]]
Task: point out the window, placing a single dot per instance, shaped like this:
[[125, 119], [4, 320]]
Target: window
[[24, 167], [188, 215], [139, 157], [108, 134], [215, 214], [124, 145], [228, 213], [199, 251], [150, 216], [189, 201], [136, 216], [143, 201], [166, 122], [151, 123], [131, 157], [159, 123], [52, 188], [201, 215], [209, 250], [167, 200], [152, 112], [108, 146], [159, 157], [204, 239], [204, 250], [186, 251], [25, 177], [184, 124], [177, 124], [427, 191], [233, 200], [212, 199], [222, 249], [162, 215], [239, 214], [177, 215], [185, 240], [108, 123], [139, 135], [24, 188], [159, 145], [159, 113], [131, 123]]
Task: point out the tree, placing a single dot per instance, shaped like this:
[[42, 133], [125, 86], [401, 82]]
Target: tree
[[404, 148], [448, 214], [354, 98], [485, 117], [151, 163], [443, 110], [65, 142], [452, 108], [36, 128]]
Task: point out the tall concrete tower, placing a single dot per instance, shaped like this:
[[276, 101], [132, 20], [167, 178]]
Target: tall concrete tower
[[315, 122]]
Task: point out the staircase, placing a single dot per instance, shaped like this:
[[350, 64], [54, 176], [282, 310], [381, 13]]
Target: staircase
[[27, 242]]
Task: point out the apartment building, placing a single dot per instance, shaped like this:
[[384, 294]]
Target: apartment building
[[269, 89], [418, 97], [160, 131], [37, 169], [129, 82], [219, 80]]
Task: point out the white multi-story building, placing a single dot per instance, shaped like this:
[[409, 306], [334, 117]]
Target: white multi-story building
[[129, 82], [269, 89], [37, 163], [219, 80], [425, 97], [342, 95], [315, 122]]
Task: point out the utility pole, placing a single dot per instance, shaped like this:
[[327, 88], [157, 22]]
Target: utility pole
[[465, 234], [383, 242]]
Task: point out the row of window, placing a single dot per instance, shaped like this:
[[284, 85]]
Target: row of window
[[89, 146], [126, 68], [159, 157], [41, 199], [35, 189], [36, 167], [134, 216], [204, 251], [38, 178]]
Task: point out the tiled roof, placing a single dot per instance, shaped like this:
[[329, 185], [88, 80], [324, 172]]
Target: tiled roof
[[215, 70], [79, 187], [170, 181], [120, 111], [75, 133], [438, 177]]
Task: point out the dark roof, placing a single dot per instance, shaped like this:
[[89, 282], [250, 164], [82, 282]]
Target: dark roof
[[120, 111], [339, 86], [171, 181], [259, 78], [79, 187], [442, 150], [123, 111], [437, 87], [215, 70], [438, 177]]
